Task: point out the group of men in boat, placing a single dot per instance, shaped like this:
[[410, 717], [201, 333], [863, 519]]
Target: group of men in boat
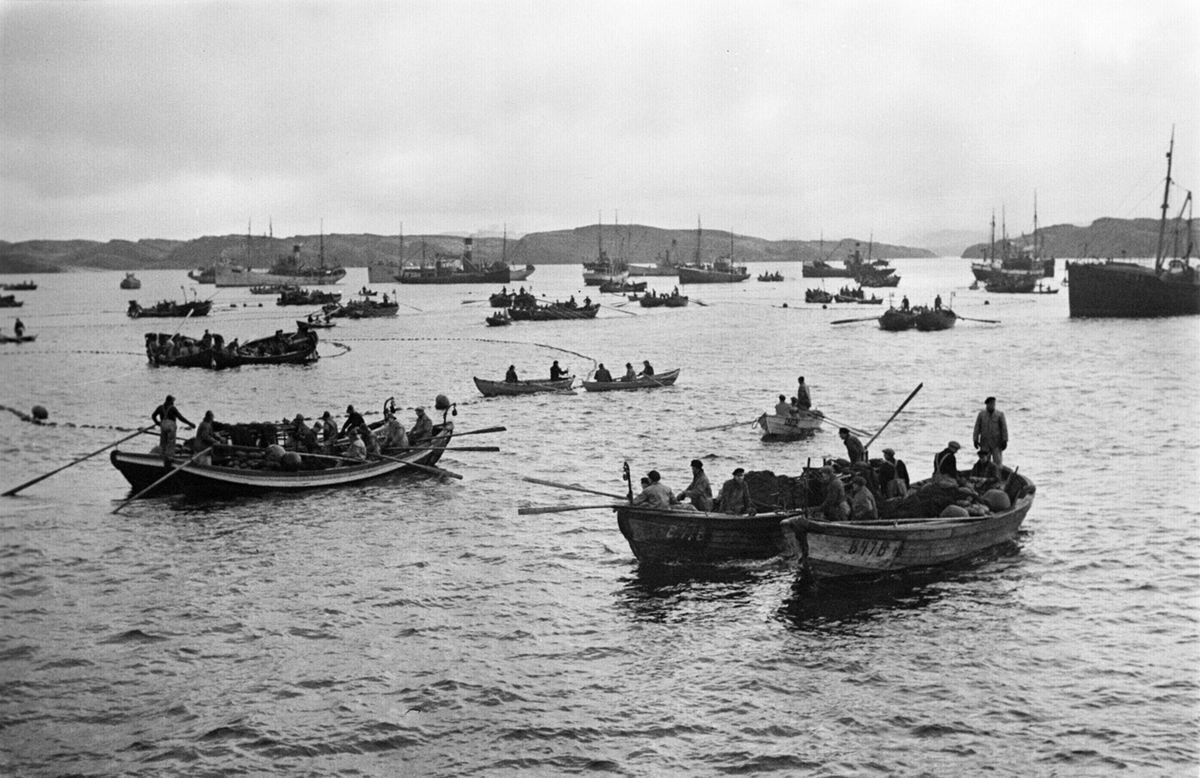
[[800, 402], [355, 440], [734, 497], [604, 376], [161, 346]]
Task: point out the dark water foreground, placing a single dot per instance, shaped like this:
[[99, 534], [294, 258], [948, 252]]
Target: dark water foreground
[[422, 627]]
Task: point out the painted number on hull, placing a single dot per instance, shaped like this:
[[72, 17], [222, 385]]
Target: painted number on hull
[[862, 547], [692, 534]]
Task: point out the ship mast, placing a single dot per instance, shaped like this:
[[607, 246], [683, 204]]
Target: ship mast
[[992, 244], [697, 259], [1162, 224]]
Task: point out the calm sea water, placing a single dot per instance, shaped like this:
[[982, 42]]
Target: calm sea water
[[421, 626]]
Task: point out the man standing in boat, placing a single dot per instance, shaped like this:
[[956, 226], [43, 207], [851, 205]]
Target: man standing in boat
[[802, 396], [735, 495], [700, 490], [854, 447], [354, 420], [19, 327], [166, 416], [991, 430]]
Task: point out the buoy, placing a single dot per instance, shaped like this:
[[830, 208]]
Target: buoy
[[996, 499], [275, 453], [955, 511], [40, 413], [442, 402], [290, 461]]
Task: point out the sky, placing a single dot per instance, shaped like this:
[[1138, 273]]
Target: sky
[[893, 119]]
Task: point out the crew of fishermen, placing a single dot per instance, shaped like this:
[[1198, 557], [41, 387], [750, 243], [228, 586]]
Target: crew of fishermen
[[161, 346], [324, 440]]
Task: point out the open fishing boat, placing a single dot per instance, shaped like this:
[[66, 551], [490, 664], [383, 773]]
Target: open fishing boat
[[532, 386], [130, 281], [10, 301], [296, 296], [641, 382], [622, 287], [553, 312], [168, 308], [17, 338], [934, 319], [776, 276], [817, 296], [293, 348], [501, 319], [897, 320], [273, 288], [842, 549], [675, 300], [692, 537], [1013, 281], [315, 324], [364, 309], [791, 427], [232, 475], [23, 286]]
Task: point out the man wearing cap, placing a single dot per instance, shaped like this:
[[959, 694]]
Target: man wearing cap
[[802, 396], [329, 431], [893, 474], [393, 430], [835, 506], [986, 469], [700, 490], [945, 464], [783, 407], [306, 439], [862, 502], [206, 437], [854, 447], [735, 495], [656, 495], [354, 420], [422, 429], [991, 430]]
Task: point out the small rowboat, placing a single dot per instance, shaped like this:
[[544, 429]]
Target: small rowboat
[[641, 382], [10, 301], [315, 324], [842, 549], [23, 286], [533, 386], [227, 480], [933, 320], [691, 537], [167, 308], [296, 348], [554, 312], [791, 427], [17, 338]]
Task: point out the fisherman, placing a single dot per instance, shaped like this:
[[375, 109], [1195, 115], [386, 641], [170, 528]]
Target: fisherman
[[699, 491], [510, 377], [602, 374], [986, 468], [357, 449], [647, 369], [783, 407], [394, 434], [630, 375], [305, 439], [805, 399], [735, 495], [893, 475], [937, 303], [329, 431], [556, 372], [167, 416], [354, 420], [991, 431], [835, 507], [862, 502], [206, 437], [369, 441], [422, 430], [854, 447], [945, 464], [656, 495], [904, 303], [19, 327], [587, 302]]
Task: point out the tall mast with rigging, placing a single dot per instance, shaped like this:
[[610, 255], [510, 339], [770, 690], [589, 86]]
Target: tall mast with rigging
[[1162, 224]]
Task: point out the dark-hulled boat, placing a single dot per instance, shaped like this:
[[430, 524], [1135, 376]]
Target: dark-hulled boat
[[10, 301], [935, 319], [294, 348], [897, 320], [364, 309], [1013, 281], [693, 537], [273, 288], [449, 269], [17, 338], [23, 286], [641, 382], [224, 478], [770, 276], [531, 386], [622, 287], [819, 268], [722, 270], [287, 269], [889, 546], [296, 296], [554, 312], [817, 296], [501, 319], [131, 281], [794, 426], [169, 308], [1129, 290]]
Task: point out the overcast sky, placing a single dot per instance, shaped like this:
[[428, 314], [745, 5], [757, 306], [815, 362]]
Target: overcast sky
[[774, 119]]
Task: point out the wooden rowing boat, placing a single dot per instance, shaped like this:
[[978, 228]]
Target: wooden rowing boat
[[641, 382], [294, 348], [790, 427], [691, 537], [213, 481], [844, 549], [554, 312], [935, 319], [168, 308], [17, 338], [532, 386]]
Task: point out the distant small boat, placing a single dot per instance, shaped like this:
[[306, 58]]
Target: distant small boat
[[17, 338], [23, 286], [501, 319], [532, 386], [10, 301], [641, 382], [130, 281], [770, 276], [168, 308]]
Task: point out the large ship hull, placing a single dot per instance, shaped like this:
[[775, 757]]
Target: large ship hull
[[1126, 290], [653, 270], [264, 277], [692, 275], [497, 276]]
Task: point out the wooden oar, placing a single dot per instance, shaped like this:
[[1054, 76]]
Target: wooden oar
[[16, 489], [618, 310], [726, 426], [471, 302], [573, 488], [894, 415], [427, 468], [480, 431], [459, 448], [174, 470], [855, 430], [985, 321], [566, 508], [852, 321]]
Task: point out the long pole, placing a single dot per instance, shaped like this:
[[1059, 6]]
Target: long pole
[[16, 489], [175, 470], [894, 415], [1162, 224]]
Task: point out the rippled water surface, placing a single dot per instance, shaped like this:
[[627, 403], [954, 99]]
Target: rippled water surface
[[421, 626]]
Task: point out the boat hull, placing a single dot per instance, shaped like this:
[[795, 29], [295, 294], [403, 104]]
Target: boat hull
[[692, 537], [553, 313], [653, 382], [789, 427], [1125, 290], [503, 388], [810, 270], [500, 275], [693, 275], [894, 320], [235, 277], [840, 549], [211, 481], [653, 270], [934, 321], [17, 338]]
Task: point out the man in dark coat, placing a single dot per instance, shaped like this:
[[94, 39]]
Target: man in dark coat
[[946, 462]]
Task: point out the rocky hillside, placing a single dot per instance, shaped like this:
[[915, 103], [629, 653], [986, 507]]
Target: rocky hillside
[[1104, 238], [635, 242]]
